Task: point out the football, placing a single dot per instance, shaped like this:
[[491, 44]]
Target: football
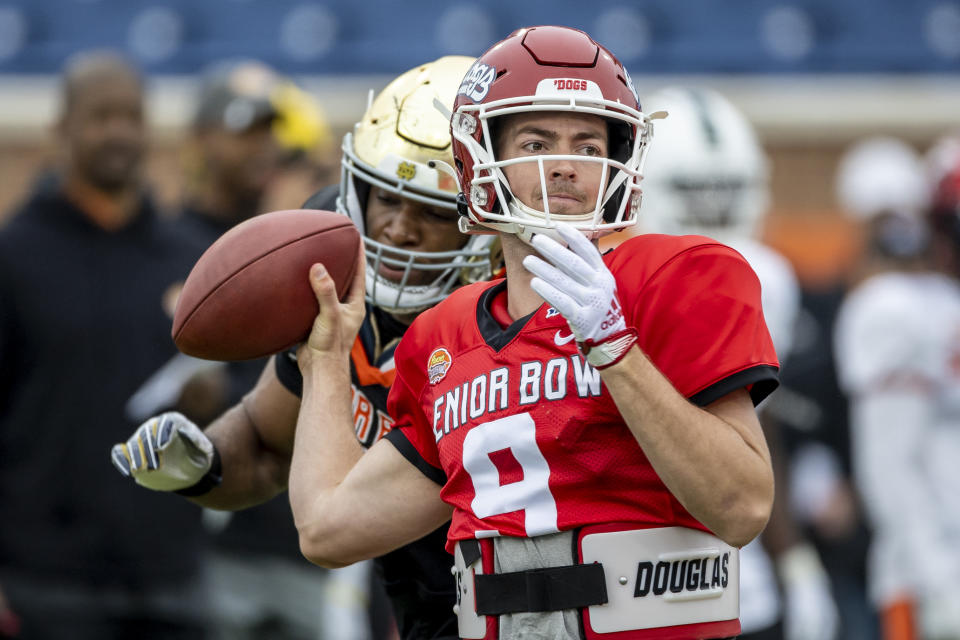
[[249, 295]]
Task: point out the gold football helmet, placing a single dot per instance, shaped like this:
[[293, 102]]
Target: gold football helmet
[[402, 145]]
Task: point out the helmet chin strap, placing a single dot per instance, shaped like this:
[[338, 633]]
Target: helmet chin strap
[[393, 298], [445, 167], [526, 231], [526, 227], [528, 223]]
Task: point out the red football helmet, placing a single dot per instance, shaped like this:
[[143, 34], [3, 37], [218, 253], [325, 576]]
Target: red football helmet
[[547, 69]]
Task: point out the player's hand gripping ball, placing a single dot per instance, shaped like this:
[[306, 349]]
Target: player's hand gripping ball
[[249, 295]]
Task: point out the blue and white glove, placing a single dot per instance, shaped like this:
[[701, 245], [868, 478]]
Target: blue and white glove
[[169, 453], [575, 281]]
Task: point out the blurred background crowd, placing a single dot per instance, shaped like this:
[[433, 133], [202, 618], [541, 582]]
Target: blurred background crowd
[[853, 113]]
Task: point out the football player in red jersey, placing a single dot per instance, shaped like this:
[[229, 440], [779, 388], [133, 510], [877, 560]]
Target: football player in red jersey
[[589, 421]]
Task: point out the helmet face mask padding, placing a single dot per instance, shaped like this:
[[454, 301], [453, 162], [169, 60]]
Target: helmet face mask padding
[[547, 70], [396, 147]]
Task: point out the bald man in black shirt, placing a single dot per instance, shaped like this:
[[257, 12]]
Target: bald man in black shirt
[[86, 269]]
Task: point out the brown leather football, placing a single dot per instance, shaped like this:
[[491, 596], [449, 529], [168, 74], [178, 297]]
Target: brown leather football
[[249, 294]]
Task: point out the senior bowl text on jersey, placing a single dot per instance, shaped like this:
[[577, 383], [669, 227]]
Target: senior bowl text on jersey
[[525, 440], [497, 413]]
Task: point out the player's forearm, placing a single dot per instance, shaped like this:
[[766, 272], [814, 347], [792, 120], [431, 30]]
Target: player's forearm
[[252, 472], [718, 469], [325, 449], [383, 503]]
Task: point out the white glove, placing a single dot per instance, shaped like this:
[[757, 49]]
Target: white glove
[[169, 453], [811, 613], [940, 615], [576, 282]]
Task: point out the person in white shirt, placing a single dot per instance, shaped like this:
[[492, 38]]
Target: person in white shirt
[[898, 347]]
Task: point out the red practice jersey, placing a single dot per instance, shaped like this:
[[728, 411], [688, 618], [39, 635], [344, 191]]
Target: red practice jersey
[[522, 433]]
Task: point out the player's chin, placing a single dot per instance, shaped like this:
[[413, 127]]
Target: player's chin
[[396, 276], [567, 206]]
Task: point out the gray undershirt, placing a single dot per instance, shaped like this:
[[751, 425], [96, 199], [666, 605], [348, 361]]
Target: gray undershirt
[[520, 554]]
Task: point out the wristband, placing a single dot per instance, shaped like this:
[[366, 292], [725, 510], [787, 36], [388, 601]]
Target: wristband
[[610, 351], [210, 480]]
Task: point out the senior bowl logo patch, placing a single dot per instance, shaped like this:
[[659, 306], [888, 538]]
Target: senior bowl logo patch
[[438, 364]]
